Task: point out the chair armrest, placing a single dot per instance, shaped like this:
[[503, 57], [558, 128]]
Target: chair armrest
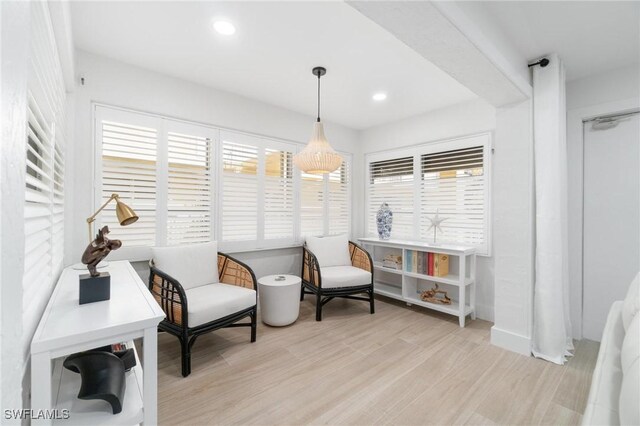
[[360, 258], [169, 294], [310, 268], [232, 271]]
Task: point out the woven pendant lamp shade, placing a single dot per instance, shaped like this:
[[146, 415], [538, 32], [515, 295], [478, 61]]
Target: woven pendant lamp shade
[[318, 157]]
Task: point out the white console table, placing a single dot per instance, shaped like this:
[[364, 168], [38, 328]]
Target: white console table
[[67, 327], [407, 285]]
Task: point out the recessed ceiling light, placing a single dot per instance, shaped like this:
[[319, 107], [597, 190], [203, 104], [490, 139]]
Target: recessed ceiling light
[[379, 96], [224, 27]]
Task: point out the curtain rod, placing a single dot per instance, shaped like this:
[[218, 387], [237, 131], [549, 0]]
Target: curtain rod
[[542, 62]]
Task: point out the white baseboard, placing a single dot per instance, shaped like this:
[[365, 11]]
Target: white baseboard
[[511, 341]]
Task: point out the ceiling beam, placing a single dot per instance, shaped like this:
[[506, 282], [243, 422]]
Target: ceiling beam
[[443, 35]]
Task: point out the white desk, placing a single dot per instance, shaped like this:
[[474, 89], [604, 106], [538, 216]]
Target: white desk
[[67, 327]]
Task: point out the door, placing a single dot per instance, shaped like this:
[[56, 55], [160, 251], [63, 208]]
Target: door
[[611, 234]]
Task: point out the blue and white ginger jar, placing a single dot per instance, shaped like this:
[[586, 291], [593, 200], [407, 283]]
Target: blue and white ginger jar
[[384, 220]]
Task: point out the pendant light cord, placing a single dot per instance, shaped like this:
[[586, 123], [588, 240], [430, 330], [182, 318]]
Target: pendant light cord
[[318, 98]]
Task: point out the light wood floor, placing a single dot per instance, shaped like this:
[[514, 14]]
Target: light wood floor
[[401, 366]]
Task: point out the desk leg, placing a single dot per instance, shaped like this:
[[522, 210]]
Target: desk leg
[[150, 374], [41, 385]]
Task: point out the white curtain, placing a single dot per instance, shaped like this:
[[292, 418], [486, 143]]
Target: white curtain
[[551, 321]]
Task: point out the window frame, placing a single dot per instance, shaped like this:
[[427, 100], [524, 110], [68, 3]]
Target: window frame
[[166, 124], [484, 139]]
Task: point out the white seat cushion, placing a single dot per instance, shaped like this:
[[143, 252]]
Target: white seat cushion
[[192, 265], [344, 276], [603, 402], [630, 396], [631, 345], [330, 251], [214, 301], [631, 302]]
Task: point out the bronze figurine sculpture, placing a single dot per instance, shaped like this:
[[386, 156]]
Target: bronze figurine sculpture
[[98, 249]]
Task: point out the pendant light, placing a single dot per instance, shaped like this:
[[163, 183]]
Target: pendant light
[[318, 157]]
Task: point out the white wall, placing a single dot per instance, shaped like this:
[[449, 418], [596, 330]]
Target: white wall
[[513, 219], [458, 120], [115, 83], [606, 93], [14, 47]]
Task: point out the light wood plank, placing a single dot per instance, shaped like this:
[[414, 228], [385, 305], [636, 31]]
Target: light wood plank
[[399, 366]]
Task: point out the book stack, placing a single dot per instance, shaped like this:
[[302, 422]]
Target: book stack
[[427, 263], [392, 261]]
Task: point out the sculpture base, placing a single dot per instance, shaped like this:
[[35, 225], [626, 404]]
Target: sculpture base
[[95, 289]]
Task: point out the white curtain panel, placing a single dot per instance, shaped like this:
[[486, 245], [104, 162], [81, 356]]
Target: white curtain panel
[[551, 322]]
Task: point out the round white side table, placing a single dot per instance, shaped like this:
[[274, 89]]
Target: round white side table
[[279, 299]]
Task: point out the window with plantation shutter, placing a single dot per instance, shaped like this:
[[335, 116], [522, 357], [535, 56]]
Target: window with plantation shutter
[[45, 138], [258, 201], [278, 195], [189, 194], [239, 191], [446, 177], [129, 157], [453, 185], [339, 199], [192, 183], [325, 205], [391, 181], [312, 204]]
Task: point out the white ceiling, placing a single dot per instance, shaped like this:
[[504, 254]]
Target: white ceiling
[[590, 36], [271, 55]]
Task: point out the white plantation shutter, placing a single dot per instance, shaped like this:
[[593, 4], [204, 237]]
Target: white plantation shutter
[[453, 183], [129, 157], [325, 205], [278, 195], [239, 188], [189, 203], [258, 200], [192, 183], [44, 170], [339, 199], [448, 177], [312, 200], [39, 245], [392, 182]]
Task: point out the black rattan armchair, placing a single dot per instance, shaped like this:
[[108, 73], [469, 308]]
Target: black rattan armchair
[[346, 282], [173, 299]]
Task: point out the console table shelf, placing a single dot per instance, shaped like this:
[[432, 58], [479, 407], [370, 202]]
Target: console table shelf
[[67, 327], [403, 284]]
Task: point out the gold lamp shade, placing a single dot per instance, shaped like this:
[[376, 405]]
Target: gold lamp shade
[[126, 215]]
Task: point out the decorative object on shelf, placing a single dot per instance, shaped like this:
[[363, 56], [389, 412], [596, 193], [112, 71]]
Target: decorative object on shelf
[[433, 296], [318, 157], [98, 249], [435, 220], [392, 261], [102, 376], [384, 220], [96, 286]]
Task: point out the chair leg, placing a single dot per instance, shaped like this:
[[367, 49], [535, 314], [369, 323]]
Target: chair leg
[[301, 292], [186, 356], [254, 324], [371, 302], [318, 307]]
